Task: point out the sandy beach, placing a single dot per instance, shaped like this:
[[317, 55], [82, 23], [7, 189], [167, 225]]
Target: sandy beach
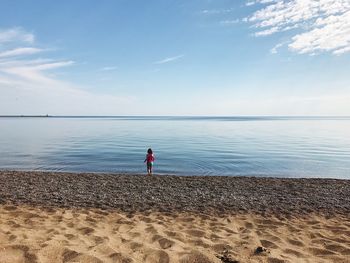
[[66, 217]]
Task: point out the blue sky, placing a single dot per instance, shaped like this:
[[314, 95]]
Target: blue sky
[[222, 57]]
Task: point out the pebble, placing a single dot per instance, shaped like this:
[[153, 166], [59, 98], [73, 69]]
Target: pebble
[[202, 194]]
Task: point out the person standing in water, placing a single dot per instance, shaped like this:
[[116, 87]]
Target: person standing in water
[[149, 160]]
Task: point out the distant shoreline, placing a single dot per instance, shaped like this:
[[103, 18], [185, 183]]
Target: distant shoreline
[[185, 117], [25, 116]]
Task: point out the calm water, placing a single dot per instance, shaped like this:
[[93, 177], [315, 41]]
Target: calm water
[[285, 147]]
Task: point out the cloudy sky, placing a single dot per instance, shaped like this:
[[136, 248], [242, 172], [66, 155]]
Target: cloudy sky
[[158, 57]]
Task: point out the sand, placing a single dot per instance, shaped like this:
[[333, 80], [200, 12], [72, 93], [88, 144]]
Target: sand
[[45, 226]]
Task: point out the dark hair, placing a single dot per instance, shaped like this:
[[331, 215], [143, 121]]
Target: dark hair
[[149, 151]]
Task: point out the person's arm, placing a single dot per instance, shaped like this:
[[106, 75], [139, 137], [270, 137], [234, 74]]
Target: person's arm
[[145, 159]]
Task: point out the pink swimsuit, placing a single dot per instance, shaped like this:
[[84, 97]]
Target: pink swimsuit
[[150, 158]]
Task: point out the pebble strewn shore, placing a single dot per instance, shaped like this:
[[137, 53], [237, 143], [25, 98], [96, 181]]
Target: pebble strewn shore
[[203, 194]]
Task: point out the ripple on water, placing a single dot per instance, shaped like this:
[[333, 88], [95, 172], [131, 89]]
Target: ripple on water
[[203, 146]]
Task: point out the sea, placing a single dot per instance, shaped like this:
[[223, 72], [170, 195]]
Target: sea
[[302, 147]]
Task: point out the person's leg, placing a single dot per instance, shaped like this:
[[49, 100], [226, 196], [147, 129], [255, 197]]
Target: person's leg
[[150, 169]]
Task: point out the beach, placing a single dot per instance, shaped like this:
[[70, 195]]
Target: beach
[[90, 217]]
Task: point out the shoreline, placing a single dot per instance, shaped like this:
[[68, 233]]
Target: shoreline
[[167, 193], [95, 218], [144, 173]]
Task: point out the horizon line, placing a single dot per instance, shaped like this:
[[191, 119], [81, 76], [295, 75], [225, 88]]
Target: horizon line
[[165, 116]]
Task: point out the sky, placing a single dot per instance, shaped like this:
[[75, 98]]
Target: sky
[[175, 57]]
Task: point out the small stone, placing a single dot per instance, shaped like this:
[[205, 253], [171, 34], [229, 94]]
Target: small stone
[[260, 249]]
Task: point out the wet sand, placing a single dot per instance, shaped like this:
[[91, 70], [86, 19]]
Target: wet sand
[[65, 217]]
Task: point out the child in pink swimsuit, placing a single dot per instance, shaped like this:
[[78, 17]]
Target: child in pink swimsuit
[[149, 159]]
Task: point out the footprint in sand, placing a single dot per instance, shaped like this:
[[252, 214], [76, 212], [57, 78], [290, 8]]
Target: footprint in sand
[[276, 260], [295, 242], [338, 248], [12, 237], [293, 252], [123, 221], [175, 235], [196, 233], [70, 236], [51, 253], [195, 256], [58, 218], [271, 237], [294, 229], [125, 228], [13, 224], [158, 256], [165, 243], [185, 219], [146, 219], [150, 229], [99, 240], [214, 237], [100, 212], [86, 230], [16, 254], [134, 234], [229, 231], [10, 208], [268, 244], [71, 225], [91, 221], [118, 257], [219, 248], [249, 225], [69, 255], [198, 243], [216, 224], [86, 259], [135, 246], [320, 251]]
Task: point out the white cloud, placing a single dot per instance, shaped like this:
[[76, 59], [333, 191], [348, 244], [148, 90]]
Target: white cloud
[[341, 51], [28, 86], [276, 47], [53, 65], [266, 32], [332, 34], [217, 11], [169, 59], [323, 25], [229, 22], [109, 68], [16, 34], [20, 51], [33, 72]]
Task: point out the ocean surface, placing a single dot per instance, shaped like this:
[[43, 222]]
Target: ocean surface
[[258, 146]]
